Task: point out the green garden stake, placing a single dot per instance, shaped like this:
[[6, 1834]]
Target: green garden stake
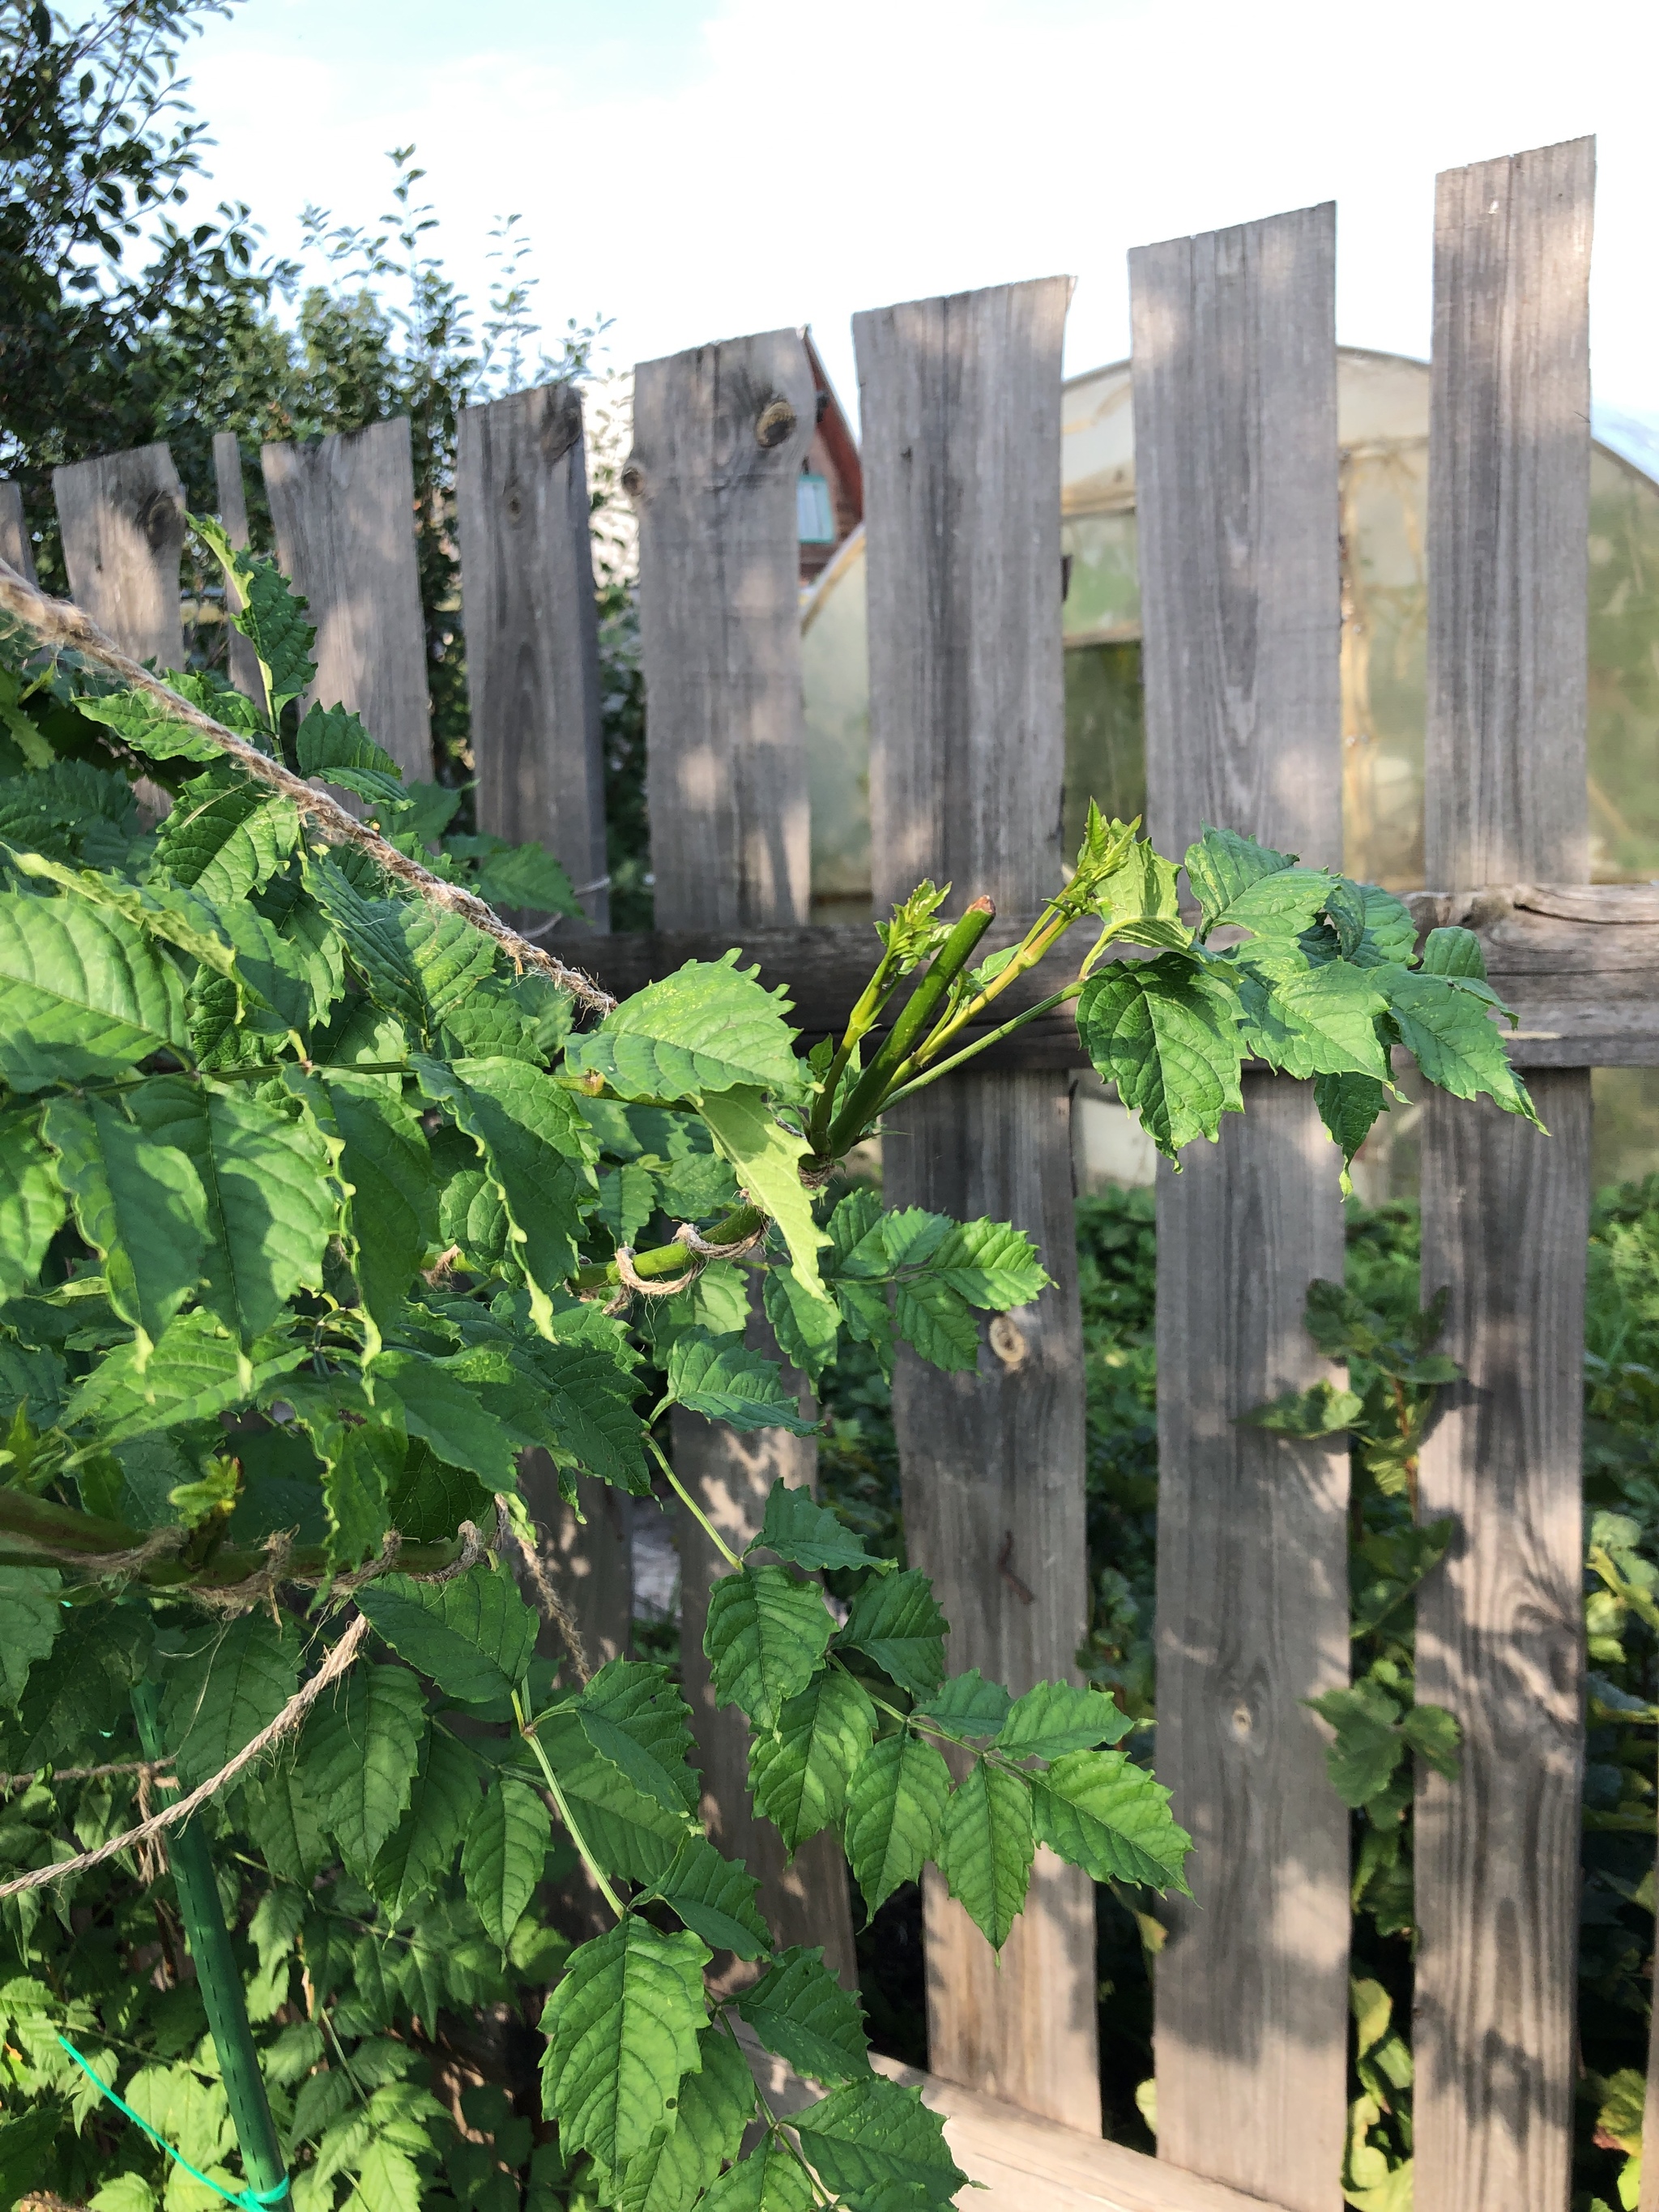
[[221, 1983]]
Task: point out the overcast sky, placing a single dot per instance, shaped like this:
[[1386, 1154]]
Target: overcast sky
[[696, 169]]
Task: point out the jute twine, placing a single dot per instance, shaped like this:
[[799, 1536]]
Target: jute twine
[[60, 623]]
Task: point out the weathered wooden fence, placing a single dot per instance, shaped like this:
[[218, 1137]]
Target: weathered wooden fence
[[1237, 461]]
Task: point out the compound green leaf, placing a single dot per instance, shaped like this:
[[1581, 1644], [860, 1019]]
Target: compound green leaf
[[1055, 1717], [895, 1804], [139, 1204], [715, 1899], [715, 2103], [30, 1617], [1109, 1817], [710, 1027], [898, 1623], [720, 1378], [234, 1683], [1348, 1104], [83, 993], [803, 2015], [361, 1752], [967, 1705], [770, 2179], [622, 2031], [196, 1370], [31, 1204], [1449, 1033], [439, 1407], [872, 2136], [766, 1637], [799, 1771], [766, 1159], [797, 1529], [1223, 867], [1167, 1035], [986, 1846], [227, 834], [805, 1327], [269, 1206], [473, 1634], [505, 1851], [444, 1798], [394, 1197]]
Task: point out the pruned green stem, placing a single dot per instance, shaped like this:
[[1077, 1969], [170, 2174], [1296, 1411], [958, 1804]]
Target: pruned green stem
[[983, 1044]]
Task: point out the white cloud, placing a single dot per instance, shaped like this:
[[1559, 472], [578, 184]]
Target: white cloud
[[779, 160]]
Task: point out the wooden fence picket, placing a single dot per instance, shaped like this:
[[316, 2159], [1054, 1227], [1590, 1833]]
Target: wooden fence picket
[[718, 435], [1505, 1212], [342, 513], [242, 662], [16, 549], [532, 646], [1235, 465], [533, 667], [961, 409], [123, 523]]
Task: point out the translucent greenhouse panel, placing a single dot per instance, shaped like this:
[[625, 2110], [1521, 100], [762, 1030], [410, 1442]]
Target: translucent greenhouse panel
[[1383, 493], [1103, 578], [835, 680], [1624, 672], [1105, 736]]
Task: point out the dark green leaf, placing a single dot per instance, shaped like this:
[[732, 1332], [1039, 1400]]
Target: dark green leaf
[[505, 1848], [233, 1683], [766, 1637], [986, 1847], [1109, 1817], [1166, 1033], [721, 1379], [622, 2031], [799, 1771], [898, 1623], [715, 1899], [441, 1804], [797, 1529], [31, 1204], [473, 1634], [966, 1705], [1055, 1717], [801, 2012], [394, 1199], [706, 1029], [30, 1617], [439, 1407], [138, 1203], [895, 1804], [361, 1751], [83, 993], [716, 2101], [874, 2136]]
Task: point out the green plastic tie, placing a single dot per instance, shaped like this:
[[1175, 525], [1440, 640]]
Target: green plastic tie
[[251, 2199]]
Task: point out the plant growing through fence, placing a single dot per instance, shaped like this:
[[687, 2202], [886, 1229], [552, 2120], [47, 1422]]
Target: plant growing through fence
[[316, 1209]]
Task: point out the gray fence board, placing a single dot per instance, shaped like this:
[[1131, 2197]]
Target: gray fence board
[[1505, 1211], [718, 436], [16, 549], [718, 433], [532, 652], [241, 661], [342, 513], [961, 407], [1236, 457], [123, 522]]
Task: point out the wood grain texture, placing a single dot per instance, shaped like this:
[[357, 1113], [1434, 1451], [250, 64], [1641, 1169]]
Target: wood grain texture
[[1500, 1635], [16, 549], [718, 435], [1499, 1644], [961, 413], [1235, 399], [1506, 761], [123, 521], [232, 489], [342, 512], [532, 652], [1019, 2163]]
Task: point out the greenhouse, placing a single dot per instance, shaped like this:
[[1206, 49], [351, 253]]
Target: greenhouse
[[1383, 429]]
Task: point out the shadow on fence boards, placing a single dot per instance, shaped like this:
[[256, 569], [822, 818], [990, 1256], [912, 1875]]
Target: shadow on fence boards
[[1235, 437]]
